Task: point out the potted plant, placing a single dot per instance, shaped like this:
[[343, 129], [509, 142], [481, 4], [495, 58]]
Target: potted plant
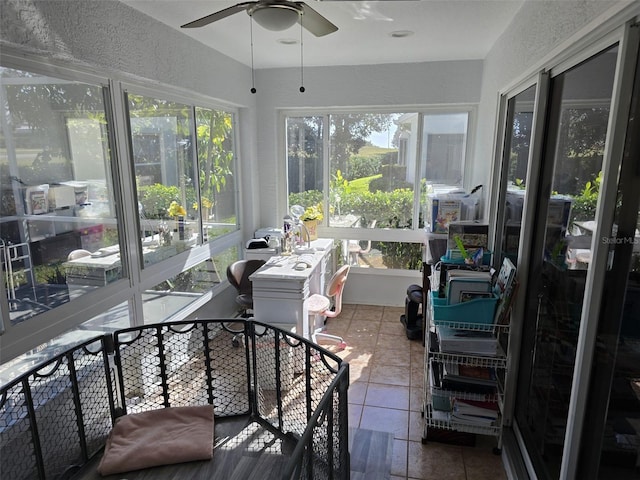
[[178, 212], [311, 216]]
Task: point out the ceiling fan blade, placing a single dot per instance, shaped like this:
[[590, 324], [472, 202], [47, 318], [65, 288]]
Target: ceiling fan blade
[[224, 13], [314, 22]]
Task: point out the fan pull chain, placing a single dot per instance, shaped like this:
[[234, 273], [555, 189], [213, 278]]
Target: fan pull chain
[[301, 60], [253, 75]]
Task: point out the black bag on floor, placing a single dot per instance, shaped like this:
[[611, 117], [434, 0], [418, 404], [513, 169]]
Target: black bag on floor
[[412, 320]]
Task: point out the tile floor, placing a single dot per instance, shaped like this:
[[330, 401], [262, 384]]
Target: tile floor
[[386, 377]]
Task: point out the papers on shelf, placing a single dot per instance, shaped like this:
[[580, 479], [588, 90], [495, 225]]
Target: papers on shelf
[[475, 411], [467, 341]]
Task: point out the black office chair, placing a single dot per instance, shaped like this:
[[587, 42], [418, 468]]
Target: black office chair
[[238, 275]]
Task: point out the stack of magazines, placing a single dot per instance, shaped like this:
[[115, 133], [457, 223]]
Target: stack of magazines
[[475, 411], [470, 379]]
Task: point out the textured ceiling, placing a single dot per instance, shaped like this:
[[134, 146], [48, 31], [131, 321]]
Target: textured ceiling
[[443, 30]]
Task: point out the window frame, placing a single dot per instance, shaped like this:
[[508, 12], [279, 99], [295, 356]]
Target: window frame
[[154, 274], [413, 235], [19, 339]]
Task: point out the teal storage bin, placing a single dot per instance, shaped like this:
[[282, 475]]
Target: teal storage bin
[[455, 257], [478, 311]]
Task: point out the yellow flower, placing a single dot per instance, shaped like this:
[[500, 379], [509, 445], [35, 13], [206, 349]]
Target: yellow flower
[[206, 203], [176, 210], [313, 212]]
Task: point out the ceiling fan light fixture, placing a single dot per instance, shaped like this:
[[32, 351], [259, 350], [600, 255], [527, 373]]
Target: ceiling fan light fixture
[[401, 33], [287, 41], [274, 16]]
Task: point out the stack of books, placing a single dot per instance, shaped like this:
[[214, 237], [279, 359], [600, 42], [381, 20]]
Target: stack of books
[[469, 379], [452, 379], [475, 412]]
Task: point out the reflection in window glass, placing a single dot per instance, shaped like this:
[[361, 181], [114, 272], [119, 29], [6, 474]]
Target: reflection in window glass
[[161, 133], [174, 294], [305, 160], [443, 153], [444, 142], [517, 166], [574, 151], [381, 255], [109, 321], [56, 210], [214, 130]]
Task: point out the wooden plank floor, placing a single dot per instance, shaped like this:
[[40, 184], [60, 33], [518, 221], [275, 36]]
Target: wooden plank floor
[[245, 450], [371, 454]]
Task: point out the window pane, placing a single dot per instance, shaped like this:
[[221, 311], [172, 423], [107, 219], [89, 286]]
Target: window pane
[[382, 255], [176, 293], [305, 160], [444, 142], [372, 169], [574, 149], [444, 145], [56, 191], [217, 207], [113, 319], [163, 156], [364, 171], [517, 166]]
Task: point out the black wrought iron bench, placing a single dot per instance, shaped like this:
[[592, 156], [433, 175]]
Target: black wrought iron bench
[[280, 402]]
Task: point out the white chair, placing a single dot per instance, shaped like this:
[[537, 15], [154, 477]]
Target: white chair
[[80, 253], [320, 305], [355, 250]]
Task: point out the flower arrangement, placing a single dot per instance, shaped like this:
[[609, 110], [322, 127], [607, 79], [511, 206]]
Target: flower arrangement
[[176, 210], [314, 212], [207, 206]]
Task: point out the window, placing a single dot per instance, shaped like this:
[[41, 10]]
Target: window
[[363, 170], [66, 203], [181, 201], [216, 172], [57, 206], [516, 163], [163, 158], [172, 295]]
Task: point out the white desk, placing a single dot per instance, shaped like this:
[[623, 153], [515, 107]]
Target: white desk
[[279, 291], [103, 267]]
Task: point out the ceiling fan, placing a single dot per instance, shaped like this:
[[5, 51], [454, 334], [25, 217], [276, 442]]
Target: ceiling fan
[[273, 15]]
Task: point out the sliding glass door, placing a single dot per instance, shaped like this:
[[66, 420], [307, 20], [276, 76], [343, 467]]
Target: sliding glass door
[[610, 444], [576, 129]]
